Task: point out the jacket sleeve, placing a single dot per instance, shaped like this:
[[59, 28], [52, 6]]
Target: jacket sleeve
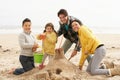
[[82, 59], [59, 32], [22, 42]]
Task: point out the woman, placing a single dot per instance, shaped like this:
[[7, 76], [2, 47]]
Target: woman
[[91, 45]]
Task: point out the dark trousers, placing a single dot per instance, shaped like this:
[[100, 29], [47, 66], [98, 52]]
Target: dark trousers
[[27, 64]]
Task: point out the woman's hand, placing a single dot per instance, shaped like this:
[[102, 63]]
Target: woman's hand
[[80, 67], [86, 52]]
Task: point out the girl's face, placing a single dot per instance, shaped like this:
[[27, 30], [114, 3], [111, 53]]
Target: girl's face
[[27, 26], [49, 29], [75, 26], [63, 18]]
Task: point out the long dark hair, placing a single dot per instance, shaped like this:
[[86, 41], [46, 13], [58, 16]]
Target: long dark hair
[[80, 23], [52, 26]]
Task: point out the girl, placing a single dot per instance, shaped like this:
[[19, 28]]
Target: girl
[[28, 46], [91, 45], [49, 38]]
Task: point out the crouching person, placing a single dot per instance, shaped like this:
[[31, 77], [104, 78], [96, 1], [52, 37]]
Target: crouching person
[[91, 45]]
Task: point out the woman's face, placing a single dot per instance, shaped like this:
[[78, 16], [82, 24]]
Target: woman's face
[[27, 26], [63, 18], [75, 26], [49, 29]]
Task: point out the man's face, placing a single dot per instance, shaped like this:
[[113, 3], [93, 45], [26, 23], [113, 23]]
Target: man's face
[[63, 18]]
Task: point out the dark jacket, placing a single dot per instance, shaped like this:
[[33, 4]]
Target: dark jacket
[[69, 33]]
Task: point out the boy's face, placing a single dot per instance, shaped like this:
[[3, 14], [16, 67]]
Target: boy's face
[[75, 26], [27, 26], [49, 29], [63, 18]]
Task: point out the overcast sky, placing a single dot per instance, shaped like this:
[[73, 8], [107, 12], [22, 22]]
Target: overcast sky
[[90, 12]]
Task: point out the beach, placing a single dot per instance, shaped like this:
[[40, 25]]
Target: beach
[[10, 51]]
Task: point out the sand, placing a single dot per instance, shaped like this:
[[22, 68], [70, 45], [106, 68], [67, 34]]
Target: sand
[[10, 50]]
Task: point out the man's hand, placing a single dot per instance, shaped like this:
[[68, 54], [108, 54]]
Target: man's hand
[[73, 53]]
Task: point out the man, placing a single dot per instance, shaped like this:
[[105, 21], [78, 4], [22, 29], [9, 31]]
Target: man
[[66, 29]]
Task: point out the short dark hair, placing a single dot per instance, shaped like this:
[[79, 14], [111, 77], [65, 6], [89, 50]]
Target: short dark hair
[[62, 11], [26, 20]]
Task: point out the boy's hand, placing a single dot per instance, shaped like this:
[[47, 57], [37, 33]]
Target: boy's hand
[[35, 46], [34, 49]]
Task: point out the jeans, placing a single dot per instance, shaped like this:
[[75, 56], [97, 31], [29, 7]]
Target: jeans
[[93, 66], [27, 64]]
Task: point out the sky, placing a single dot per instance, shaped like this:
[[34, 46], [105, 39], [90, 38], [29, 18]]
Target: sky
[[90, 12]]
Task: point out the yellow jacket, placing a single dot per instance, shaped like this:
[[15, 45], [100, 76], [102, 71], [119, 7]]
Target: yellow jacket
[[49, 42], [88, 42]]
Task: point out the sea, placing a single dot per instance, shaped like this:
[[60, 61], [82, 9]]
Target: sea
[[39, 29]]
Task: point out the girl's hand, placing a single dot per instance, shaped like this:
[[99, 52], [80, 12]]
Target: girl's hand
[[42, 36]]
